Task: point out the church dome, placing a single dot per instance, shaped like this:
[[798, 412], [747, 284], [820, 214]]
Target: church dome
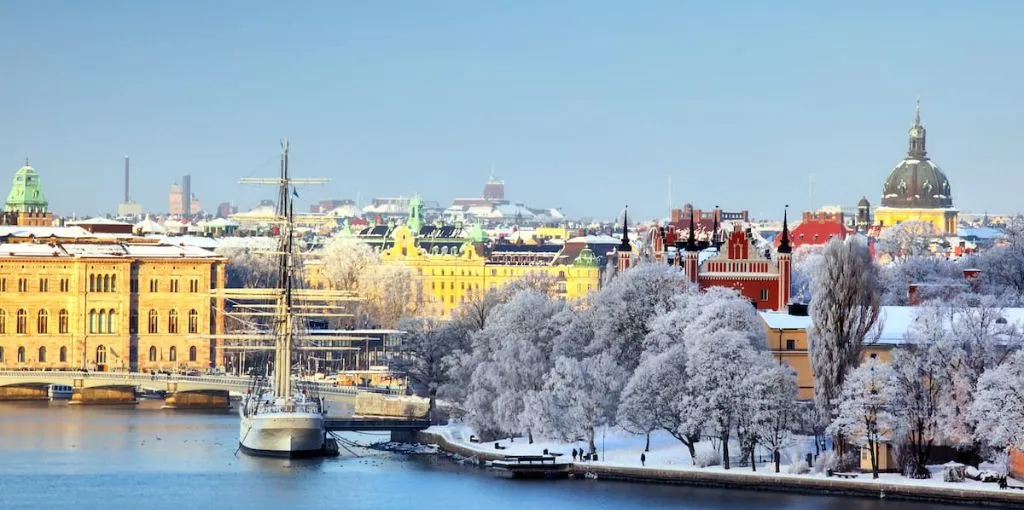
[[917, 182]]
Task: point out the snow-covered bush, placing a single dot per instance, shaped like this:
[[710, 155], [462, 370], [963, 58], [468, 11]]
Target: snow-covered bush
[[707, 458], [799, 467], [827, 460]]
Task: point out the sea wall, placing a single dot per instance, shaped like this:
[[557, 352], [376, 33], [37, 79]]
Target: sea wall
[[387, 406]]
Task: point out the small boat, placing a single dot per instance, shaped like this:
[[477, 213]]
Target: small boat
[[150, 393], [60, 392]]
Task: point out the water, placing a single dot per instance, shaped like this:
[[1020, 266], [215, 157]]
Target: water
[[121, 458]]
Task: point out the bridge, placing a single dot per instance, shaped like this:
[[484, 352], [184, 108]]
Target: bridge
[[183, 392], [402, 429]]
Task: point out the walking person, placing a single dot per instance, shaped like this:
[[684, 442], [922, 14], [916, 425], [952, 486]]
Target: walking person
[[574, 455], [643, 459]]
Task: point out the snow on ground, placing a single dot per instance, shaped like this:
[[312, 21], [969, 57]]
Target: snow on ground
[[619, 448]]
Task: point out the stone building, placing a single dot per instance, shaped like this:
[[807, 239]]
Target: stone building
[[917, 189]]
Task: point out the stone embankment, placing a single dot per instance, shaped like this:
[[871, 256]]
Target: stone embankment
[[765, 482]]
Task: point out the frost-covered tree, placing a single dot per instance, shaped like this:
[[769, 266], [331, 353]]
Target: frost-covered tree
[[906, 239], [1002, 267], [510, 357], [776, 414], [998, 409], [941, 274], [658, 397], [718, 367], [806, 259], [844, 310], [918, 395], [250, 267], [478, 307], [390, 292], [864, 411], [425, 348], [579, 396], [345, 260]]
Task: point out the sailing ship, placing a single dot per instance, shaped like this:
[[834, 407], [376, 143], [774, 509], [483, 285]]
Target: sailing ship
[[280, 414]]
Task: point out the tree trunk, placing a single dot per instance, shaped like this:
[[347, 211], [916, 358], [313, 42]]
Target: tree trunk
[[778, 458], [590, 440], [725, 451], [432, 409], [753, 459], [874, 459], [529, 435], [647, 447]]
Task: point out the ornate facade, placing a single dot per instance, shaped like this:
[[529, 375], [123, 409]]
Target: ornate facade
[[917, 189]]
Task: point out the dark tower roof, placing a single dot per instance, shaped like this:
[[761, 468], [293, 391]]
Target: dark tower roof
[[624, 246], [691, 238], [784, 246], [917, 182]]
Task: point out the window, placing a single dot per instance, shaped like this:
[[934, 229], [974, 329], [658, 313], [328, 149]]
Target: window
[[44, 285], [65, 285], [42, 322], [3, 285], [113, 283], [152, 353], [172, 354], [133, 322], [63, 354], [154, 286], [92, 321], [174, 285], [193, 285], [101, 355], [193, 322], [62, 322], [22, 322], [192, 353], [154, 318], [764, 294], [106, 283], [21, 354], [3, 322], [42, 355], [172, 321], [1, 354], [92, 283], [110, 322], [102, 326], [790, 345], [22, 284]]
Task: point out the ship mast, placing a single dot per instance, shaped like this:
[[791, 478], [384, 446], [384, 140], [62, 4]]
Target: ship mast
[[284, 319]]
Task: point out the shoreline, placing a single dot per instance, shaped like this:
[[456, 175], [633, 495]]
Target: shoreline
[[751, 481]]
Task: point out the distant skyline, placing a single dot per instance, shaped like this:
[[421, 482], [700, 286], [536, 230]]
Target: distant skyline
[[577, 104]]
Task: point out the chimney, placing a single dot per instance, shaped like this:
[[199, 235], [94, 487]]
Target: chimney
[[798, 309]]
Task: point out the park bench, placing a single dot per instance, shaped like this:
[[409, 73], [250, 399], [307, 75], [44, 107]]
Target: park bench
[[474, 439], [845, 475]]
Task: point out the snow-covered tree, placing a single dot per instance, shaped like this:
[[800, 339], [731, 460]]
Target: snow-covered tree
[[658, 397], [998, 409], [425, 346], [1002, 267], [864, 411], [906, 239], [806, 259], [776, 414], [718, 370], [249, 267], [844, 310], [578, 396], [345, 260], [510, 357], [896, 278], [390, 292], [478, 307], [918, 395]]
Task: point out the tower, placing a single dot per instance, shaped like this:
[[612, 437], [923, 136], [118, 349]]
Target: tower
[[690, 261], [415, 221], [918, 134], [625, 250], [186, 195], [785, 261], [863, 214]]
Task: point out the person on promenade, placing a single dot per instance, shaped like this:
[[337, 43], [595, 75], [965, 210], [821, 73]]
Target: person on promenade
[[574, 455], [643, 459]]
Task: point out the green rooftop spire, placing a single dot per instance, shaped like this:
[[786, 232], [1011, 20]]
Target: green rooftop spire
[[415, 221], [26, 193]]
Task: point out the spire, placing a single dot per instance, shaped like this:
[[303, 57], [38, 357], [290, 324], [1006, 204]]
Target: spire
[[784, 246], [691, 239], [26, 161], [917, 112], [714, 230], [624, 246], [917, 135]]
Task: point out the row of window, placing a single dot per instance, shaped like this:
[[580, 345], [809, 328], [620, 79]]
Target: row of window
[[100, 322], [101, 354], [101, 283], [44, 285]]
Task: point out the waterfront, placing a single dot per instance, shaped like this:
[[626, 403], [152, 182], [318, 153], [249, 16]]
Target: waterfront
[[59, 456]]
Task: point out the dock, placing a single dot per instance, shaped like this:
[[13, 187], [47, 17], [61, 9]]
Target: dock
[[533, 466]]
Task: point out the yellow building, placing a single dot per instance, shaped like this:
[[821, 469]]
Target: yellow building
[[917, 189], [70, 299]]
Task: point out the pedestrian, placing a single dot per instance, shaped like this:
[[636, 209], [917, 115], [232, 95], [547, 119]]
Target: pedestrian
[[643, 459], [574, 455]]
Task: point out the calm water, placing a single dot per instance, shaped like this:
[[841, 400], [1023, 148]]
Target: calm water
[[59, 456]]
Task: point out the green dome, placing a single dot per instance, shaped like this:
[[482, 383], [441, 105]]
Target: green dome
[[26, 192]]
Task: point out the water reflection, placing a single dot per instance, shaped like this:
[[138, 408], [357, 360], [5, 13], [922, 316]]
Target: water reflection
[[120, 458]]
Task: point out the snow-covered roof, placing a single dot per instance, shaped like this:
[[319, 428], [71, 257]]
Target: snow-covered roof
[[595, 239], [781, 320], [64, 232], [97, 221]]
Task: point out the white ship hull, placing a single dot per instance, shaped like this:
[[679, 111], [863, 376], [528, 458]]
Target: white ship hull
[[283, 434]]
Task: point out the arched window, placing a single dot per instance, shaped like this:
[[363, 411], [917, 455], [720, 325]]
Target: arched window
[[63, 354], [152, 353], [102, 326], [22, 320], [42, 322], [21, 354], [92, 283], [1, 354], [110, 321], [172, 354], [113, 283], [192, 353], [154, 319], [92, 320], [62, 322], [106, 283], [3, 322], [193, 321], [42, 354], [101, 355], [172, 321]]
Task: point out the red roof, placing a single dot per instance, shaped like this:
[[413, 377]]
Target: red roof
[[814, 232]]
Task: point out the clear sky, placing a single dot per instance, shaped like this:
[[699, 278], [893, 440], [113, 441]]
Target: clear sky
[[581, 104]]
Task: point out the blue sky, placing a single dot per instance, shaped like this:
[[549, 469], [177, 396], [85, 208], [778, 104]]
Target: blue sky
[[584, 105]]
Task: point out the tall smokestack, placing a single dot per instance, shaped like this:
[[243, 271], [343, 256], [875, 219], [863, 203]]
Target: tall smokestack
[[127, 195]]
